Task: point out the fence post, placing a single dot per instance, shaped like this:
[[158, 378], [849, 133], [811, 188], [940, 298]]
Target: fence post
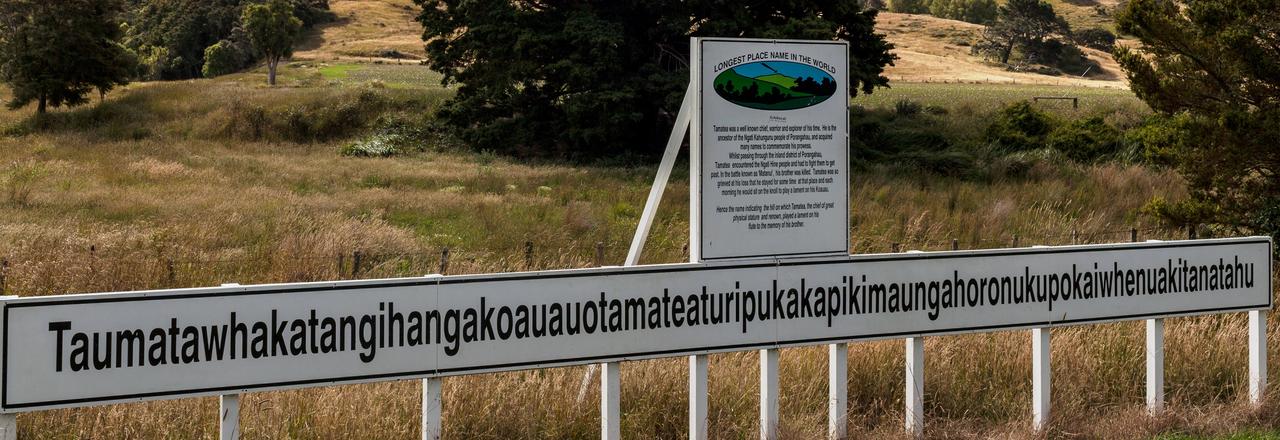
[[837, 390], [895, 247], [355, 264], [431, 403], [914, 414], [342, 264], [1257, 356], [1015, 240], [1040, 378], [768, 394], [610, 401], [955, 244], [1155, 365], [528, 255], [1133, 235], [1075, 236], [599, 253], [698, 397], [1191, 231], [229, 409], [444, 261]]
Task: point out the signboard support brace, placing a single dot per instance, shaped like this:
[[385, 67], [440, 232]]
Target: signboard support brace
[[914, 413], [837, 390], [1155, 365], [431, 403], [1040, 378], [1257, 356]]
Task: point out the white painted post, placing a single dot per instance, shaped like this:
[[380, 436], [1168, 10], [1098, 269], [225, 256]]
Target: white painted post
[[1257, 356], [1155, 365], [914, 411], [610, 392], [8, 422], [229, 409], [1039, 378], [229, 422], [8, 427], [698, 397], [837, 390], [769, 394], [431, 403]]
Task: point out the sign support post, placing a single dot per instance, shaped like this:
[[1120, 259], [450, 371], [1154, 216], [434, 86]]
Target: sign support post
[[837, 390], [1257, 356], [8, 421], [431, 403], [1155, 365], [229, 409], [1040, 378], [769, 394], [914, 413]]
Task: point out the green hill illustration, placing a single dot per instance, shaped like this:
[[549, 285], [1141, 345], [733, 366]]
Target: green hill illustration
[[775, 85]]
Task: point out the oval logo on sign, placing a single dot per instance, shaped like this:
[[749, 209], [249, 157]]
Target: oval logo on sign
[[775, 85]]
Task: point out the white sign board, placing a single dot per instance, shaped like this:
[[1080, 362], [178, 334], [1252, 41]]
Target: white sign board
[[77, 350], [771, 147]]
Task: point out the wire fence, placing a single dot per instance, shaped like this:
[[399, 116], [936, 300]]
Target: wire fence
[[100, 269]]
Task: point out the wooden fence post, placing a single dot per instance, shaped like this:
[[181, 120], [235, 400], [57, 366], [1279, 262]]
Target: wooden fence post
[[1133, 235], [355, 264], [955, 244], [528, 255], [444, 261], [599, 253], [895, 247], [342, 264]]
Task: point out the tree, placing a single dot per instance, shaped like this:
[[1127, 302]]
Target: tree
[[593, 78], [972, 11], [272, 28], [1021, 24], [909, 6], [222, 58], [1211, 69], [56, 52]]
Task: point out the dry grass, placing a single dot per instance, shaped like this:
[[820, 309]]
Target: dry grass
[[108, 211]]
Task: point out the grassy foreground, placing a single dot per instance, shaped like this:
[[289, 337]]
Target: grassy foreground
[[207, 182]]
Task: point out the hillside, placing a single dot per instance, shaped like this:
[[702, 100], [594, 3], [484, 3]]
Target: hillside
[[366, 30], [932, 49]]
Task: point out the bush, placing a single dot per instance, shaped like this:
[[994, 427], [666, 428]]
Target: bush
[[972, 11], [907, 108], [1096, 38], [909, 6], [1086, 140], [222, 58], [1019, 127]]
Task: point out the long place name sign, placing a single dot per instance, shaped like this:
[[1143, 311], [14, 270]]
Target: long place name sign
[[78, 350]]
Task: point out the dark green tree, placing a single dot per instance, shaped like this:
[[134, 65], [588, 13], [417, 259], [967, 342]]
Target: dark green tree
[[605, 77], [272, 29], [1211, 68], [56, 52], [1021, 24]]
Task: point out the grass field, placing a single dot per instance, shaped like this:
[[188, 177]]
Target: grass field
[[227, 181]]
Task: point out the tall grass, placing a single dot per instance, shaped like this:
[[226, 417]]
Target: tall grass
[[192, 203]]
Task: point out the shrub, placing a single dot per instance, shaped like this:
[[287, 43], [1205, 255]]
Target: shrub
[[1086, 140], [972, 11], [907, 108], [909, 6], [1096, 38], [1019, 127], [222, 58]]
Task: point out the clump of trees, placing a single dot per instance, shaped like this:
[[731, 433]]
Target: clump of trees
[[972, 11], [1033, 31], [171, 37], [55, 53], [601, 78], [1209, 69]]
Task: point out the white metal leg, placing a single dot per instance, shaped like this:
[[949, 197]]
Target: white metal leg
[[1039, 378], [1155, 365], [8, 427], [431, 403], [837, 390], [610, 410], [698, 397], [914, 411], [1257, 355], [664, 174], [229, 417], [768, 394]]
